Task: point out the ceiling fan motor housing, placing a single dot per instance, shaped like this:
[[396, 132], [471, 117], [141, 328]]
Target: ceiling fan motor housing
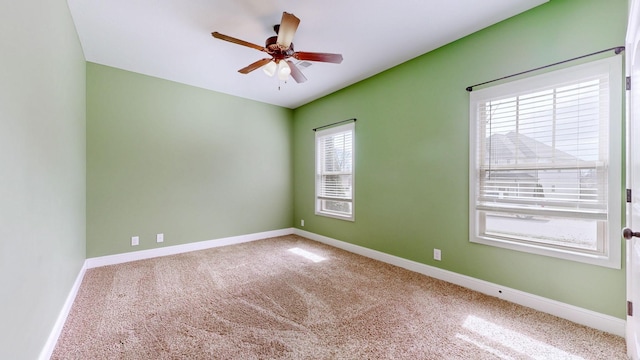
[[276, 51]]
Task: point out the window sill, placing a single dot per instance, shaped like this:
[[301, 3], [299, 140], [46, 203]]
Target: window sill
[[611, 261], [336, 216]]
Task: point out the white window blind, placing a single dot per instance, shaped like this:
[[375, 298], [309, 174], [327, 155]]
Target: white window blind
[[334, 171], [542, 157], [547, 151]]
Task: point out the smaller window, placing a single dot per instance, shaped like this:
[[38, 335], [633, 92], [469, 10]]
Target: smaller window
[[334, 172]]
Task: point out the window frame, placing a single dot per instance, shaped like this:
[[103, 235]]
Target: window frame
[[610, 255], [320, 134]]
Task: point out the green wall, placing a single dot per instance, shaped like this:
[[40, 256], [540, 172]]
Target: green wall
[[186, 162], [42, 170], [412, 152]]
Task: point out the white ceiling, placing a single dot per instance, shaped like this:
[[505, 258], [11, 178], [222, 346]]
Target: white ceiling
[[171, 39]]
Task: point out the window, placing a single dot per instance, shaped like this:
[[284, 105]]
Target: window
[[545, 157], [334, 172]]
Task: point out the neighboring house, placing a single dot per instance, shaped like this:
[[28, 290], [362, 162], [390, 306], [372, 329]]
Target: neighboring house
[[532, 181]]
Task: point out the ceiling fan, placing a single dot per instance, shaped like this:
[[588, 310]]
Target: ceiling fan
[[280, 48]]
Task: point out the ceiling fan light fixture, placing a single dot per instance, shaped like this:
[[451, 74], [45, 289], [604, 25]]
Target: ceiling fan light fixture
[[270, 68], [284, 70]]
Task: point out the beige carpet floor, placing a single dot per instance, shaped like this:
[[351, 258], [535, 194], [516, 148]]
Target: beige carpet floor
[[292, 298]]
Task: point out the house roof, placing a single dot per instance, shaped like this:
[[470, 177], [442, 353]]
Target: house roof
[[506, 148]]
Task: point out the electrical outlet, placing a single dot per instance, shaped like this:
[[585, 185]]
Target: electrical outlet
[[437, 254], [160, 238], [302, 222], [135, 240]]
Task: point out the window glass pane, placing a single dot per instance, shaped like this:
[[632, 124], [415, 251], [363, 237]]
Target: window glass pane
[[562, 232], [338, 207]]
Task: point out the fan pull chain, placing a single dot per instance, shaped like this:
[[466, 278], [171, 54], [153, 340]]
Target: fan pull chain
[[280, 83]]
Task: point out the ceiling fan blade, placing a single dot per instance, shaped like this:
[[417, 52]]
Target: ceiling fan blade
[[256, 65], [296, 74], [288, 27], [314, 56], [217, 35]]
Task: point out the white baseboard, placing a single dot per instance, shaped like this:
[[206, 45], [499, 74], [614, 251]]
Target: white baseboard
[[606, 323], [179, 249], [50, 345]]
